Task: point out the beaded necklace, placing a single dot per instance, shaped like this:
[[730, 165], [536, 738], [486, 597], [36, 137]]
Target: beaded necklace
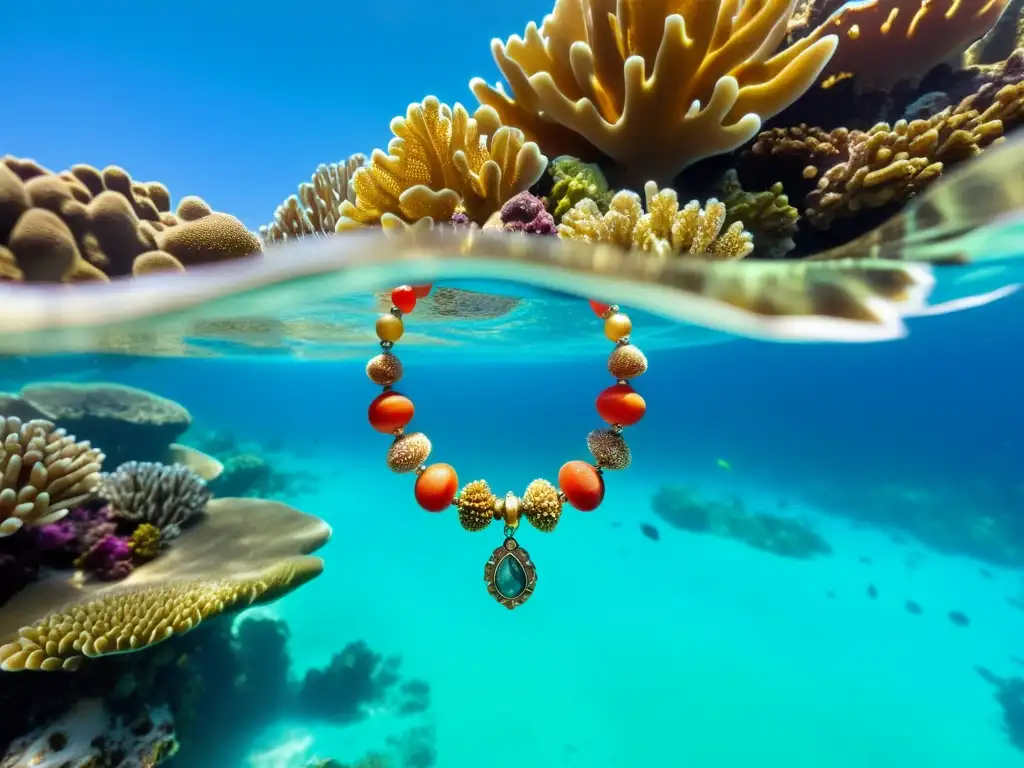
[[509, 573]]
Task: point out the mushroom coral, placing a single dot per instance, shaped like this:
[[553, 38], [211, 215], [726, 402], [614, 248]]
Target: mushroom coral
[[654, 85], [244, 551], [442, 161]]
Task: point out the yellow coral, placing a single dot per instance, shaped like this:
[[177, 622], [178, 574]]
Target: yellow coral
[[664, 229], [145, 541], [768, 215], [441, 159], [655, 86]]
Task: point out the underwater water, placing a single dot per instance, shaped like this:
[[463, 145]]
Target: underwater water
[[815, 558]]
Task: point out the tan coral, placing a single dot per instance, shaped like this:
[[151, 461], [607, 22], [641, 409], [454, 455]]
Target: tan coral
[[664, 229], [655, 85], [442, 160], [316, 208], [883, 41], [44, 472], [245, 551], [769, 217]]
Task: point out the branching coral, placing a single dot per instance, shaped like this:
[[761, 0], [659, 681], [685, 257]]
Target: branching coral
[[664, 229], [165, 496], [769, 217], [316, 208], [573, 180], [86, 224], [882, 41], [44, 472], [440, 161], [653, 85]]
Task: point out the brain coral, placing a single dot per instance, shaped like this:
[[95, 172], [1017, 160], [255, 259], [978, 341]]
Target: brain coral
[[87, 224]]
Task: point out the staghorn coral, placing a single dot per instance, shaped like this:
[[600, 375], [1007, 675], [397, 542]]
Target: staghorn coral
[[44, 472], [769, 217], [245, 551], [442, 161], [654, 86], [664, 229], [165, 496], [84, 224], [882, 41], [573, 180], [889, 164], [316, 208]]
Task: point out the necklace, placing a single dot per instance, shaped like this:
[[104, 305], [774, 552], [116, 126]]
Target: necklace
[[509, 573]]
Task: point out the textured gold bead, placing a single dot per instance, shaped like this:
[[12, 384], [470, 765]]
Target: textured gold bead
[[617, 326], [476, 505], [609, 449], [384, 369], [390, 327], [541, 505], [408, 452], [627, 362]]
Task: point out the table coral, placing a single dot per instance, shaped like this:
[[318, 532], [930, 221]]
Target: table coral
[[316, 208], [44, 472], [85, 224], [664, 228], [440, 161], [654, 86], [882, 41]]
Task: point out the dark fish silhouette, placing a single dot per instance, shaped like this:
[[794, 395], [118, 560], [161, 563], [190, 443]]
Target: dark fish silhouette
[[959, 618], [912, 607], [872, 591], [650, 531]]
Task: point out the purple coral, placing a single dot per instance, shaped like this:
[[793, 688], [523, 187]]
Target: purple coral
[[526, 213], [110, 558], [77, 532]]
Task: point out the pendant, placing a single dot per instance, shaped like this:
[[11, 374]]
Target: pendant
[[510, 573]]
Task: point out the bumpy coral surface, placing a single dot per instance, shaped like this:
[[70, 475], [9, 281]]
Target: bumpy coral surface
[[655, 86], [165, 496], [440, 161], [85, 224], [665, 228], [44, 472]]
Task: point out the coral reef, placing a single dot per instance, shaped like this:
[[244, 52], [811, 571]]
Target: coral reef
[[1010, 695], [167, 497], [652, 86], [316, 209], [664, 229], [85, 224], [524, 213], [767, 215], [442, 161], [681, 508], [572, 180]]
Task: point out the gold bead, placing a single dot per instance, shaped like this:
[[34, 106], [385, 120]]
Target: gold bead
[[627, 362], [476, 505], [384, 369], [390, 327], [513, 508], [609, 449], [617, 326], [541, 505], [408, 452]]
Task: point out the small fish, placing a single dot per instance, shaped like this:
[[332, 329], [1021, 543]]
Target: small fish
[[650, 531], [959, 618], [872, 591], [864, 559], [912, 607], [723, 464]]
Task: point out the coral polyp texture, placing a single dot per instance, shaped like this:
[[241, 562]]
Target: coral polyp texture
[[653, 86], [85, 224], [167, 497], [882, 41], [316, 208], [442, 161], [44, 472], [664, 229]]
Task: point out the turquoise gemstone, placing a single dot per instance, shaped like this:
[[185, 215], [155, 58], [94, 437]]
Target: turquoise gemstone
[[510, 578]]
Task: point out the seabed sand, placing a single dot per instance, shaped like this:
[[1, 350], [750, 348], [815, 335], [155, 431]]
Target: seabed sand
[[689, 651]]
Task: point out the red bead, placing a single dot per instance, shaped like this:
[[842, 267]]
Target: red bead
[[621, 404], [436, 487], [404, 297], [390, 411], [582, 485], [598, 308], [422, 291]]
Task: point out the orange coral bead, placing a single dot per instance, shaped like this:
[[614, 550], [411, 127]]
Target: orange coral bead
[[598, 308], [404, 297], [621, 404], [436, 487], [582, 485], [422, 291], [390, 411]]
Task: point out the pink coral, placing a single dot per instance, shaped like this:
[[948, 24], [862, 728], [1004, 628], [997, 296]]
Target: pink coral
[[526, 213]]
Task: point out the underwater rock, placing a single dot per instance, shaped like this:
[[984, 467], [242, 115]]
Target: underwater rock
[[681, 508], [1010, 695]]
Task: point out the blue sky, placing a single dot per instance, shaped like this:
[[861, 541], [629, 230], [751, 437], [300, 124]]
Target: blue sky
[[234, 101]]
